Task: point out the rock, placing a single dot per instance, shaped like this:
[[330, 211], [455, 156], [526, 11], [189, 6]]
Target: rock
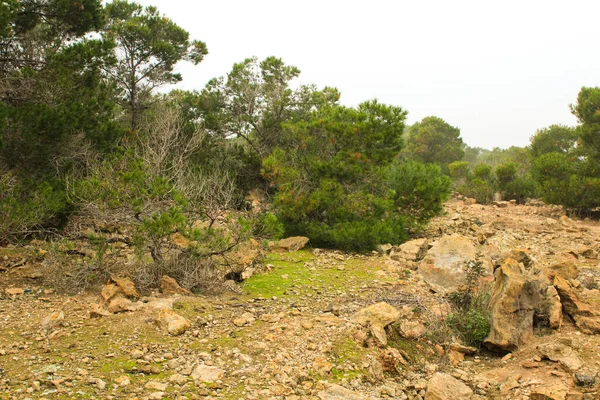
[[549, 392], [53, 320], [207, 373], [337, 392], [378, 333], [555, 313], [99, 383], [514, 299], [155, 385], [443, 265], [108, 292], [126, 286], [169, 286], [377, 317], [566, 269], [467, 350], [586, 317], [585, 380], [178, 379], [411, 329], [96, 311], [123, 380], [294, 243], [378, 314], [121, 304], [384, 248], [14, 291], [561, 351], [455, 357], [375, 371], [244, 320], [321, 365], [444, 387], [413, 250], [391, 359], [171, 322], [180, 241]]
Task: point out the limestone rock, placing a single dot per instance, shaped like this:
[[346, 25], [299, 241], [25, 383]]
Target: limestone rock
[[171, 322], [555, 314], [294, 243], [412, 329], [126, 286], [549, 392], [108, 292], [207, 373], [53, 320], [169, 286], [586, 317], [245, 319], [121, 304], [14, 291], [514, 299], [337, 392], [444, 387], [566, 269], [377, 317], [379, 314], [443, 265], [561, 351], [413, 250], [97, 311]]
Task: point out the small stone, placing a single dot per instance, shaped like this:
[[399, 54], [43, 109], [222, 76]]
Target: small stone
[[584, 379], [136, 354], [53, 320], [122, 381], [178, 379], [157, 386]]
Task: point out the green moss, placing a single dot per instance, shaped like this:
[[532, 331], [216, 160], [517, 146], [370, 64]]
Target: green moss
[[290, 277]]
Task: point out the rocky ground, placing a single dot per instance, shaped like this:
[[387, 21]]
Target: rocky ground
[[324, 325]]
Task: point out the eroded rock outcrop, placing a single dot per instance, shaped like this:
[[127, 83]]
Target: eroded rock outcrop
[[515, 296], [443, 265]]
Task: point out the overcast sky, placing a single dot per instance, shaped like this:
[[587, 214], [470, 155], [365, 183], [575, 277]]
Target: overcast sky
[[496, 70]]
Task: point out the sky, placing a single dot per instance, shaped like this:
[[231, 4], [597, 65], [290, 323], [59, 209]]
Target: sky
[[497, 70]]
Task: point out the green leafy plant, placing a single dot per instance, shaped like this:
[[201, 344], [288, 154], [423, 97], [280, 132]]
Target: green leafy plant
[[470, 316]]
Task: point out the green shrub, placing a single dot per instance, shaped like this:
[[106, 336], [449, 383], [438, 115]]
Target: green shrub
[[266, 225], [338, 183], [27, 206], [470, 317]]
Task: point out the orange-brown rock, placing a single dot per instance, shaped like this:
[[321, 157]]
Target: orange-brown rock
[[169, 286], [514, 299]]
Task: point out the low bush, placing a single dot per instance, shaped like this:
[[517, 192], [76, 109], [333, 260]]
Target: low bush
[[28, 207]]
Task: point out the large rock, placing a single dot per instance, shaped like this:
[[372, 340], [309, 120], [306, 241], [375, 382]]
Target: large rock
[[514, 299], [413, 250], [172, 323], [561, 351], [377, 317], [126, 286], [207, 373], [120, 304], [169, 286], [586, 317], [443, 265], [294, 243], [444, 387]]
